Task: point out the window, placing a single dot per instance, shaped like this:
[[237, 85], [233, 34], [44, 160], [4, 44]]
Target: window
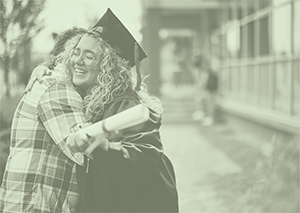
[[296, 40], [296, 84], [257, 82], [243, 83], [278, 2], [235, 81], [251, 84], [263, 3], [243, 42], [250, 45], [250, 6], [264, 36], [282, 30], [243, 9], [264, 79], [233, 38], [225, 52], [239, 6], [282, 87]]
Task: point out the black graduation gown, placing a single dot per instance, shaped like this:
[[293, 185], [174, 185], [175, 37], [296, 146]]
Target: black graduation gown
[[143, 183]]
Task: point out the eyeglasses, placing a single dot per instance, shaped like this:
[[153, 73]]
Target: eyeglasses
[[87, 57]]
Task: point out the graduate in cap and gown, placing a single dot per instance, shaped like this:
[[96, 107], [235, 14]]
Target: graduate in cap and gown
[[129, 172]]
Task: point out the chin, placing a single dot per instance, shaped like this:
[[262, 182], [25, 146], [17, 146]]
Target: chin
[[76, 83]]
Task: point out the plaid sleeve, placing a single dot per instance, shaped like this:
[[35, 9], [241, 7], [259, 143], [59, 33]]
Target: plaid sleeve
[[59, 109]]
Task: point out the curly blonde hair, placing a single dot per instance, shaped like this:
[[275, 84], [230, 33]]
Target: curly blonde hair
[[113, 79]]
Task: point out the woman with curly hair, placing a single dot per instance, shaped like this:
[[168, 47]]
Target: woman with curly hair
[[128, 171]]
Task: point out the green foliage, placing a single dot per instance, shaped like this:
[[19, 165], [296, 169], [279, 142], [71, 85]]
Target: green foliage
[[268, 183], [277, 190], [19, 21], [18, 24], [8, 106]]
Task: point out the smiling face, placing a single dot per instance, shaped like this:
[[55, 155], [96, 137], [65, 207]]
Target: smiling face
[[85, 66]]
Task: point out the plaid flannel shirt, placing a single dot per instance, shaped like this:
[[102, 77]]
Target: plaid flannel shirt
[[40, 171]]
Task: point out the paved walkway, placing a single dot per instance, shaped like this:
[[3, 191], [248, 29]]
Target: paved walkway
[[195, 160]]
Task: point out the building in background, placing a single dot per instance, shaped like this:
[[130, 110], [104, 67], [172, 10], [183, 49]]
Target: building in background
[[173, 32], [254, 46], [259, 49]]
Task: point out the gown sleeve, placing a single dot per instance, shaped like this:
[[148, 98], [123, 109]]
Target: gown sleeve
[[138, 177]]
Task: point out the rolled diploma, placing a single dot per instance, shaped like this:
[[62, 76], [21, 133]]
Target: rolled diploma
[[128, 118]]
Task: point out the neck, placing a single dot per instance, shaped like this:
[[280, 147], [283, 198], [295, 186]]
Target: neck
[[88, 91]]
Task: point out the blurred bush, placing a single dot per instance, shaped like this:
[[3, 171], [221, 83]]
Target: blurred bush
[[269, 181], [277, 189], [8, 106]]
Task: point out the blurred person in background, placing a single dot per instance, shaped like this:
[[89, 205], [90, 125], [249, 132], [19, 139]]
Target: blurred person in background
[[206, 90], [128, 172]]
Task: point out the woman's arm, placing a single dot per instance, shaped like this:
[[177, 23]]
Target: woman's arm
[[59, 109]]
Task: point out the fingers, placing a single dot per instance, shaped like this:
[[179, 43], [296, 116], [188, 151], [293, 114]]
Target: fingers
[[80, 142], [83, 143], [37, 75], [71, 142], [48, 72], [76, 143], [41, 74]]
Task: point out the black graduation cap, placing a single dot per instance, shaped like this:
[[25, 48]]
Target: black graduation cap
[[116, 34]]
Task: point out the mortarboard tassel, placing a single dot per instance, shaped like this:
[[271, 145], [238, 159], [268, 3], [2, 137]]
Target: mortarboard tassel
[[137, 66]]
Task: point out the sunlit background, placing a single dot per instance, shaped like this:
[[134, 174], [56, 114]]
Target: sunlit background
[[244, 156], [61, 15]]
